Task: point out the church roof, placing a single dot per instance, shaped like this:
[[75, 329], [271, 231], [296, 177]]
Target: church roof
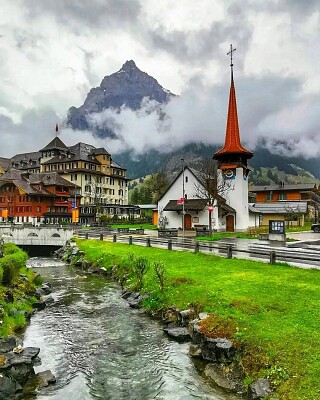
[[232, 143]]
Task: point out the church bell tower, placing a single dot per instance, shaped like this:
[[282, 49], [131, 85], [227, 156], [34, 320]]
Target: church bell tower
[[233, 162]]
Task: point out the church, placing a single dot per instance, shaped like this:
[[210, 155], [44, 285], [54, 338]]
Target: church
[[187, 204]]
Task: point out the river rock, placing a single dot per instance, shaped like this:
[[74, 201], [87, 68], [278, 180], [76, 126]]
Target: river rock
[[9, 387], [179, 333], [185, 316], [39, 305], [195, 351], [45, 378], [48, 299], [126, 293], [259, 389], [170, 316], [8, 344], [46, 288], [217, 374], [213, 349]]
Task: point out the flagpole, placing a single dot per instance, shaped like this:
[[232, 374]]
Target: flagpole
[[183, 211]]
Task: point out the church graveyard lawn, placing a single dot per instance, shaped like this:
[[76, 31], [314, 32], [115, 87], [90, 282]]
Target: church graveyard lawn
[[270, 311]]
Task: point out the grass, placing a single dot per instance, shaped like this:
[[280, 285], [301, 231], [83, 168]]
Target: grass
[[305, 227], [134, 226], [12, 314], [271, 311], [222, 235]]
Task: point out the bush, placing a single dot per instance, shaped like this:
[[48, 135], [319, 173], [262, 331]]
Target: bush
[[159, 269], [140, 267]]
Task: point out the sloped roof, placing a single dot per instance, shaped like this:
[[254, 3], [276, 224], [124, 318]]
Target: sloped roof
[[55, 143], [275, 188], [27, 181], [5, 163], [194, 205], [24, 159], [280, 207]]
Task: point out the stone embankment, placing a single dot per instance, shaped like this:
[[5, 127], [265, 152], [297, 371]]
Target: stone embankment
[[222, 366], [17, 375]]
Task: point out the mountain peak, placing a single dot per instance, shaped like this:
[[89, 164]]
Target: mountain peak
[[129, 65]]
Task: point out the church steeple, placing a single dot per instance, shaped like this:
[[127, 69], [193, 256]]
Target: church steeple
[[232, 151]]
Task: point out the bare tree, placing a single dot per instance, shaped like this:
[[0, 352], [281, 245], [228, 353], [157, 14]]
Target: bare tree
[[211, 186]]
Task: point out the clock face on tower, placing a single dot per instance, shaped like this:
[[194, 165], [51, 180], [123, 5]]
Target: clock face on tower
[[228, 173]]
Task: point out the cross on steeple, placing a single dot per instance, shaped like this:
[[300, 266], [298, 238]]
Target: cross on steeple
[[231, 63]]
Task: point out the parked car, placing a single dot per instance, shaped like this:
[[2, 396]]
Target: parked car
[[315, 227]]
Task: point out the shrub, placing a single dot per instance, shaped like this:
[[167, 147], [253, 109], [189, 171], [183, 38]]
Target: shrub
[[159, 269], [140, 267]]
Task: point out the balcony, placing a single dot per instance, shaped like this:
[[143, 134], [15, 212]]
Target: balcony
[[60, 203], [58, 193]]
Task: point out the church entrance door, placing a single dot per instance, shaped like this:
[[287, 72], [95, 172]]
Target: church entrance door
[[230, 223], [187, 221]]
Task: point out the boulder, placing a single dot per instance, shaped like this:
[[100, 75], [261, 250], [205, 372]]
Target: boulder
[[39, 305], [46, 288], [195, 351], [45, 378], [170, 316], [185, 316], [259, 389], [219, 377], [181, 334], [8, 344], [9, 387]]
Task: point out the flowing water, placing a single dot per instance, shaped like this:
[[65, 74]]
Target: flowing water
[[100, 348]]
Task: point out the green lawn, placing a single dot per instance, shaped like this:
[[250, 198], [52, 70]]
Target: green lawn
[[134, 226], [272, 311], [222, 235]]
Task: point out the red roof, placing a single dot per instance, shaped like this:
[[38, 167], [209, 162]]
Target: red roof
[[232, 143]]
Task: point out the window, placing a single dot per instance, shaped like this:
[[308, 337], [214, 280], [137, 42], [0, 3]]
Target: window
[[282, 196], [186, 179]]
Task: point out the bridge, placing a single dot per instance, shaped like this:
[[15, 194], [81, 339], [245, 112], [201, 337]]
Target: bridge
[[35, 238]]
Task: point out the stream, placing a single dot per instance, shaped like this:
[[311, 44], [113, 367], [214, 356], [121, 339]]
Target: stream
[[100, 348]]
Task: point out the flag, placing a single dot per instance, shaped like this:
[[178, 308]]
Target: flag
[[181, 200]]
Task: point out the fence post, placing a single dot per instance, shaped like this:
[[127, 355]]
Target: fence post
[[101, 236], [148, 242], [229, 251], [114, 238], [130, 239], [86, 236], [169, 244], [196, 247], [272, 257]]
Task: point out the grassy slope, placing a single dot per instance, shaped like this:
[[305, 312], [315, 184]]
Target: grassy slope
[[275, 308], [11, 316]]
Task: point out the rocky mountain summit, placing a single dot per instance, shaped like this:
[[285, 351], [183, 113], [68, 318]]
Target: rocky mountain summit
[[127, 87]]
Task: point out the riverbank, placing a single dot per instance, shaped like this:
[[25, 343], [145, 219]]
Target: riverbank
[[20, 296], [269, 312]]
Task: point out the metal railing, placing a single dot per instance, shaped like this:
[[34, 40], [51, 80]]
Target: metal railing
[[229, 250]]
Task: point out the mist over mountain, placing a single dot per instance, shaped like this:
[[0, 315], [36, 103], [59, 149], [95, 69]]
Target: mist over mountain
[[132, 98]]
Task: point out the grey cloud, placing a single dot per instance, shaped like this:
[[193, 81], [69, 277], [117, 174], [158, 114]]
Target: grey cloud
[[83, 14], [204, 45], [36, 129]]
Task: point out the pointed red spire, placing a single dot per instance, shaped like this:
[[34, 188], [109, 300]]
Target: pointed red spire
[[232, 143]]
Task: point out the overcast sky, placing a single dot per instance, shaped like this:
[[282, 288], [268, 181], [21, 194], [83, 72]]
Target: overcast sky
[[53, 52]]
